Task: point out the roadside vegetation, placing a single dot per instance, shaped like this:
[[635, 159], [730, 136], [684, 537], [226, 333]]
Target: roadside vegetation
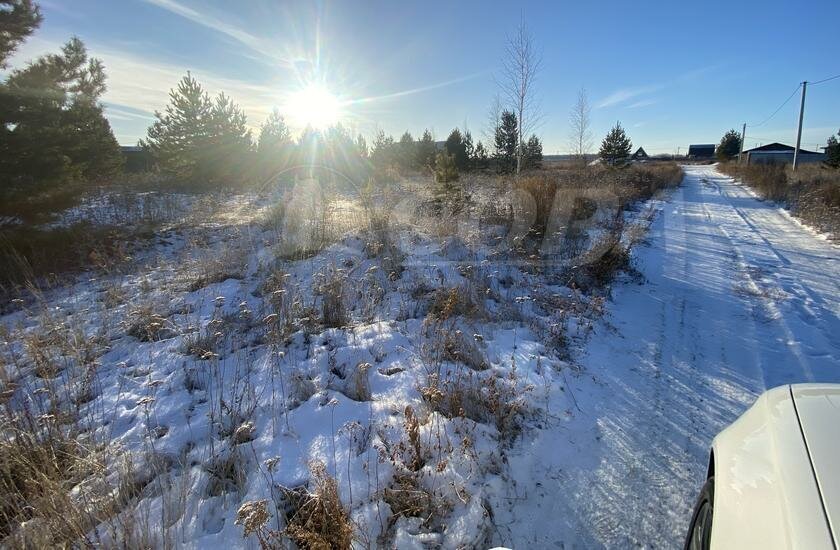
[[812, 193]]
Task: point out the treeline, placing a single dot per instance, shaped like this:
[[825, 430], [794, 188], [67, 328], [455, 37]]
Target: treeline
[[202, 139]]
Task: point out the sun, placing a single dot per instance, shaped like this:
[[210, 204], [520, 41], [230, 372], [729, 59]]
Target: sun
[[314, 106]]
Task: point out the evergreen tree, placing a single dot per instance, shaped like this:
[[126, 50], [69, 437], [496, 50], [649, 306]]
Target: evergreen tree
[[18, 20], [729, 146], [615, 149], [533, 152], [178, 138], [199, 140], [275, 137], [469, 149], [456, 147], [93, 150], [480, 158], [52, 127], [426, 150], [832, 152], [340, 154], [382, 156], [406, 152], [505, 142], [229, 141], [446, 169], [361, 147]]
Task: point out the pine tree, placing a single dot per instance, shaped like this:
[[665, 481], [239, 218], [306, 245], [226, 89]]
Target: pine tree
[[506, 142], [533, 152], [615, 149], [480, 158], [18, 20], [340, 154], [93, 149], [426, 150], [52, 127], [198, 140], [177, 140], [361, 147], [382, 156], [469, 150], [406, 152], [456, 147], [446, 169], [228, 144], [275, 136], [729, 146], [832, 152]]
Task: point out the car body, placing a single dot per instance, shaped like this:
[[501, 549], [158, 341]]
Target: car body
[[774, 475]]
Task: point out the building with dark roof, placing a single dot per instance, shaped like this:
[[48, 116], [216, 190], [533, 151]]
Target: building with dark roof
[[136, 158], [640, 154], [704, 151], [779, 153]]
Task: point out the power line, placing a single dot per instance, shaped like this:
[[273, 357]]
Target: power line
[[824, 80], [766, 120]]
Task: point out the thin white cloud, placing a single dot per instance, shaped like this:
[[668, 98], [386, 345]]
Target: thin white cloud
[[420, 89], [141, 84], [253, 42], [643, 103], [626, 94], [118, 113]]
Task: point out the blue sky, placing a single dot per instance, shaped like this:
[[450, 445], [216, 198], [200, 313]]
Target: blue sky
[[672, 73]]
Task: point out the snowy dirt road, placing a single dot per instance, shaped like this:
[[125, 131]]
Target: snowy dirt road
[[737, 297]]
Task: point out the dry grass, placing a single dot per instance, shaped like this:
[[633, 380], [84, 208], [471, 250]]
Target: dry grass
[[769, 180], [318, 519], [446, 303], [812, 192], [333, 307], [146, 323], [31, 256], [601, 263], [490, 399]]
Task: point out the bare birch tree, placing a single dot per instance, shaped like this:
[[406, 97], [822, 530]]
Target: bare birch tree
[[580, 140], [520, 67], [494, 113]]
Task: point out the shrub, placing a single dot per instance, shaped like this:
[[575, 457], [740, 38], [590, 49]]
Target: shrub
[[769, 180], [318, 519], [446, 171], [812, 192]]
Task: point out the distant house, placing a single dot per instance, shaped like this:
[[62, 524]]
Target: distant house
[[779, 153], [136, 159], [704, 151], [640, 154]]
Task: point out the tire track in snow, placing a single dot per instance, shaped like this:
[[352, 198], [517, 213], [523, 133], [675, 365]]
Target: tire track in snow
[[690, 354]]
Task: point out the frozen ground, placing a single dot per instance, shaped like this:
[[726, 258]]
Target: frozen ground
[[457, 394], [738, 297]]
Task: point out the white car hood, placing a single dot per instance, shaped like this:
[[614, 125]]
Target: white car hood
[[766, 494], [818, 406]]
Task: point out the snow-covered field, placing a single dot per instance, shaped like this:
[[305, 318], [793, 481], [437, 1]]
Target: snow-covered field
[[459, 394], [737, 298]]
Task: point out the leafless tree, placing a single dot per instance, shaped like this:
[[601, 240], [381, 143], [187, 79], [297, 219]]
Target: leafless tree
[[580, 140], [494, 112], [520, 67]]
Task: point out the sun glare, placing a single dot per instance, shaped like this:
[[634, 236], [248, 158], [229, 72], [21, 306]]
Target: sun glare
[[314, 106]]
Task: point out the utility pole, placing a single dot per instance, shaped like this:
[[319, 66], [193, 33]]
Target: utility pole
[[743, 137], [799, 132]]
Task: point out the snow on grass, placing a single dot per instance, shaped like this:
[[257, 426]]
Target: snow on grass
[[375, 385]]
